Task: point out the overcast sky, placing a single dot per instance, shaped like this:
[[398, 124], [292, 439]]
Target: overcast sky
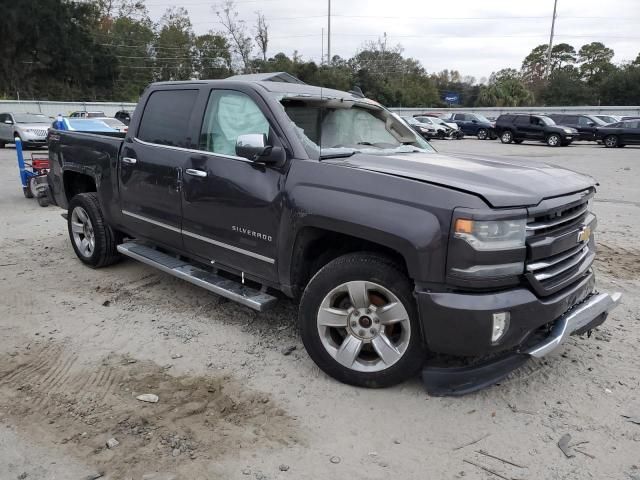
[[471, 36]]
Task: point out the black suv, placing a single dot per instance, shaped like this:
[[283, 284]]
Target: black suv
[[586, 125], [520, 127]]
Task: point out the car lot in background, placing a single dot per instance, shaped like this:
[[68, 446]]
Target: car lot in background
[[586, 125], [124, 116], [473, 124], [519, 127], [85, 114], [609, 118], [31, 128], [450, 129], [427, 129], [620, 134], [113, 123]]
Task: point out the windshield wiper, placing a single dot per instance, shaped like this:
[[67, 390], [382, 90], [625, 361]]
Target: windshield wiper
[[338, 155]]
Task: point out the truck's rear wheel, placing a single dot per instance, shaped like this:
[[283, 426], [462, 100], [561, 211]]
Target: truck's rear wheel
[[359, 322], [506, 137], [93, 240]]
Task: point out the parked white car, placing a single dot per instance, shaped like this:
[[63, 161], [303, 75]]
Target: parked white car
[[31, 128]]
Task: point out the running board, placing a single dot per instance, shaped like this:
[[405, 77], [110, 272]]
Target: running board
[[224, 287]]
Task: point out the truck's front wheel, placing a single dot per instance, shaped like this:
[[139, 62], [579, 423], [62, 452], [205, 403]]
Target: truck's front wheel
[[93, 240], [359, 322]]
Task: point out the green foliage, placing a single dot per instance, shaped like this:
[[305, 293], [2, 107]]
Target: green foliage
[[505, 89], [566, 87]]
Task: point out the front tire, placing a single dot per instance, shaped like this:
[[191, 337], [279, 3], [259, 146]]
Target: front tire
[[506, 137], [554, 140], [483, 134], [611, 141], [359, 322], [93, 240]]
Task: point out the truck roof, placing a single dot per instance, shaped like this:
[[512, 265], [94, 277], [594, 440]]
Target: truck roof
[[297, 89]]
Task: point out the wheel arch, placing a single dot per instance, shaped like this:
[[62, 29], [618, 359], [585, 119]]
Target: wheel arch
[[316, 246], [76, 182]]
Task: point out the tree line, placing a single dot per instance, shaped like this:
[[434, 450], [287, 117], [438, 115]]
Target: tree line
[[111, 49]]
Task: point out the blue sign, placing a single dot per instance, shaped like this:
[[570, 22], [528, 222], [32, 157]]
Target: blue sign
[[451, 97]]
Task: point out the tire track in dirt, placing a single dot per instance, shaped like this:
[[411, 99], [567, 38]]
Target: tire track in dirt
[[621, 263], [51, 398]]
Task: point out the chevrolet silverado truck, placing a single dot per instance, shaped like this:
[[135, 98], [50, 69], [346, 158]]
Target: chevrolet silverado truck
[[401, 259]]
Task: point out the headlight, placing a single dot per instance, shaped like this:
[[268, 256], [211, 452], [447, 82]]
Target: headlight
[[568, 130], [492, 234], [425, 129]]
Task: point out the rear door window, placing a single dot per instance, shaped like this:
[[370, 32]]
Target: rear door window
[[522, 120], [166, 115]]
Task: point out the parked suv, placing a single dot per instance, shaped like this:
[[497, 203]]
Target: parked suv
[[517, 128], [586, 125], [473, 124], [31, 128]]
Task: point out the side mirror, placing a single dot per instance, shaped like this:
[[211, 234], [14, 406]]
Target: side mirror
[[252, 146], [474, 121], [591, 124]]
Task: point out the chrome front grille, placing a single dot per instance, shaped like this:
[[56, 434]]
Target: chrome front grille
[[558, 264], [558, 251], [556, 220]]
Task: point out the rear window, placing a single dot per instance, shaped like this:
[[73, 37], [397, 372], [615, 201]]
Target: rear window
[[522, 120], [166, 115], [505, 119]]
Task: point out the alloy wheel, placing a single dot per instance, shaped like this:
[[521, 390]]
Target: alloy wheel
[[364, 326], [83, 234]]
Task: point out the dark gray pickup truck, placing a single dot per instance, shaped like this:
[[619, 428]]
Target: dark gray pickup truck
[[402, 259]]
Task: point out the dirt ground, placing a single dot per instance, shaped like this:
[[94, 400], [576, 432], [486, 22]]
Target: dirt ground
[[78, 345]]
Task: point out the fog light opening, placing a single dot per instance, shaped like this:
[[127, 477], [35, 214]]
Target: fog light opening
[[500, 326]]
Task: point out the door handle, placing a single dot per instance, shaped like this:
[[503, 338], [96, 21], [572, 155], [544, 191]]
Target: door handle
[[129, 160], [195, 173]]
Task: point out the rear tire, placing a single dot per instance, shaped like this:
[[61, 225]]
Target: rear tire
[[506, 137], [611, 141], [93, 240], [371, 341]]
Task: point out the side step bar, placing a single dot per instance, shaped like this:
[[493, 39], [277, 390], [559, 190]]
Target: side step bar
[[224, 287]]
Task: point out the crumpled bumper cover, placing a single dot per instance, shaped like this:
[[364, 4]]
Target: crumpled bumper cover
[[581, 318]]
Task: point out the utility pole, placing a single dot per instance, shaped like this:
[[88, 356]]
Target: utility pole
[[329, 34], [553, 25]]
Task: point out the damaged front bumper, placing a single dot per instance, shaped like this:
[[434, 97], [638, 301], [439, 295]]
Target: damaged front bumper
[[581, 318]]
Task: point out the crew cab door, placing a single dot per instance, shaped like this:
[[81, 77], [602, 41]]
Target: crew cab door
[[151, 164], [231, 205]]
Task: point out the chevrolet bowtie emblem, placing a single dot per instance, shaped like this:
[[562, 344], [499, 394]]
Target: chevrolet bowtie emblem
[[584, 234]]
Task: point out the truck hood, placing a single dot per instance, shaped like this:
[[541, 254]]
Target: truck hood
[[501, 183]]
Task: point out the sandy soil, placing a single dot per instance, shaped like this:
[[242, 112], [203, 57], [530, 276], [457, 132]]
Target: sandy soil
[[78, 345]]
